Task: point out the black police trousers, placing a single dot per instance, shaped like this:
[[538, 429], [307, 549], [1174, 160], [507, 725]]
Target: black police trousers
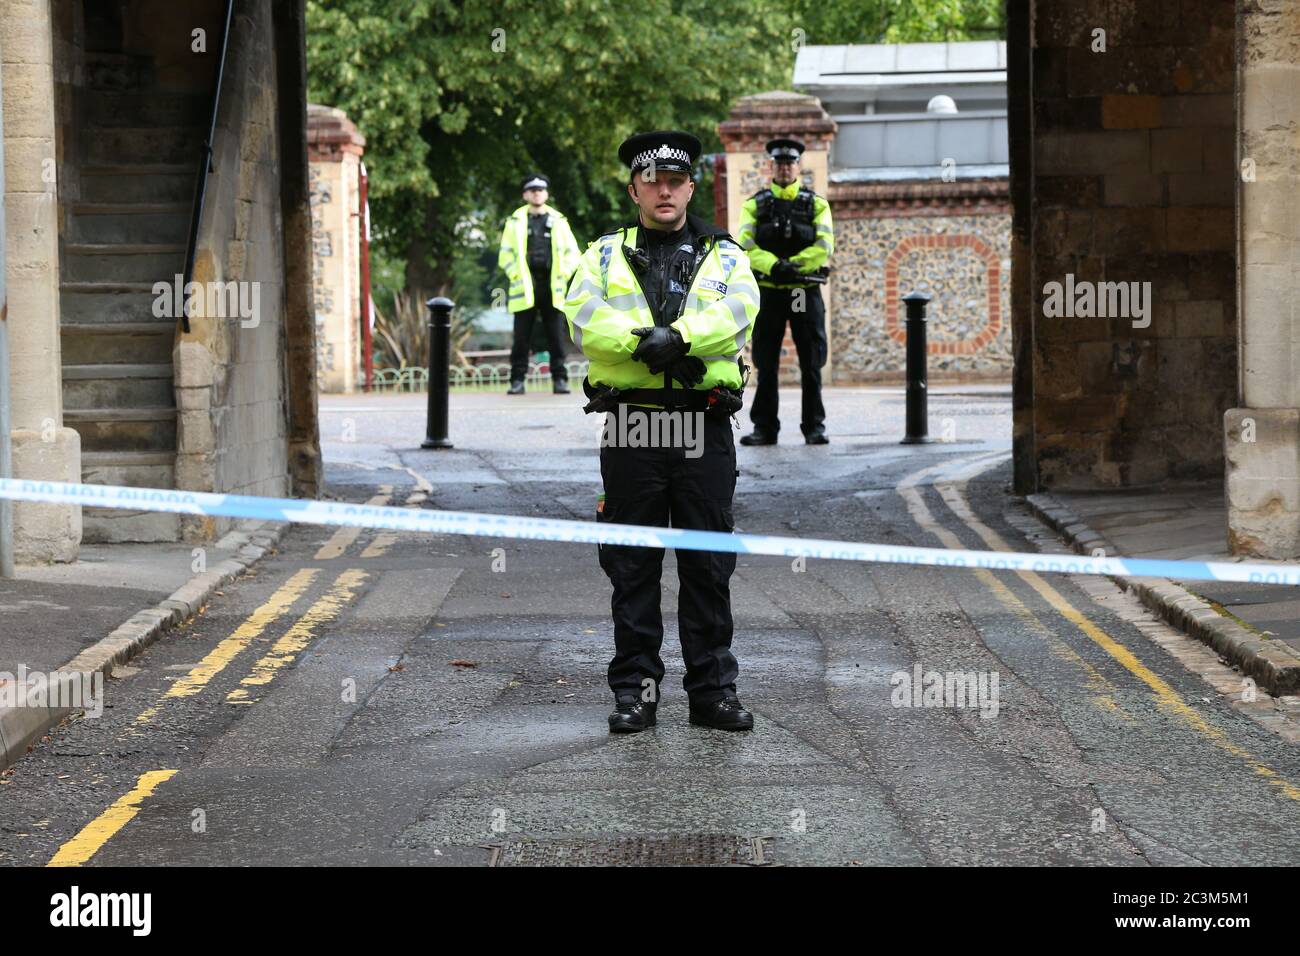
[[552, 323], [808, 329], [665, 487]]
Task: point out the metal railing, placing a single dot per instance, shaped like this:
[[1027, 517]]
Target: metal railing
[[205, 168], [473, 378]]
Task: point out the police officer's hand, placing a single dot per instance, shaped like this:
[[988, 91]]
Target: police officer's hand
[[688, 370], [785, 271], [659, 347]]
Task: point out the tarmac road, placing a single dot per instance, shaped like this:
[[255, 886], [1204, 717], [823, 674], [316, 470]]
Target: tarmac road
[[373, 698]]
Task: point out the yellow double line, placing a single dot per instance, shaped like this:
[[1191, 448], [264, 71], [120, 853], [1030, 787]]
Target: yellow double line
[[295, 640], [952, 491], [321, 612]]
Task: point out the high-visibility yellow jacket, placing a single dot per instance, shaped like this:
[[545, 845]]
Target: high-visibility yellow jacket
[[606, 303], [513, 257], [809, 259]]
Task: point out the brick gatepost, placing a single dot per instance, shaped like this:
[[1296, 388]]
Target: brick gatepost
[[334, 151], [753, 121]]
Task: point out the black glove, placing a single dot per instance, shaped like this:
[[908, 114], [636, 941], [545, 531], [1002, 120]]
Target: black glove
[[785, 271], [688, 370], [659, 347]]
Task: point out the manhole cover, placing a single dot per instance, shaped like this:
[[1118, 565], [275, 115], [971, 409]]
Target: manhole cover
[[692, 849]]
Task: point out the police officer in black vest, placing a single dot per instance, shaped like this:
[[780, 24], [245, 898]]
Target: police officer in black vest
[[663, 309], [786, 229], [538, 255]]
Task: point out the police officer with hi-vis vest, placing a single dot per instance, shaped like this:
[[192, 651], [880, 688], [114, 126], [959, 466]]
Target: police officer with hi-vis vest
[[662, 309], [786, 229], [538, 255]]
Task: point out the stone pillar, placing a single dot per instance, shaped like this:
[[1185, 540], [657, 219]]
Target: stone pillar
[[752, 122], [334, 149], [42, 447], [1262, 438]]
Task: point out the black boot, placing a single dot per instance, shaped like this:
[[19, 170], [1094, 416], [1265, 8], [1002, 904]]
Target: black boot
[[725, 714], [516, 388], [816, 438], [758, 437], [560, 386], [632, 715]]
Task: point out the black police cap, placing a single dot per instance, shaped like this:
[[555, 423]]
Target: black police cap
[[670, 150], [780, 149], [534, 181]]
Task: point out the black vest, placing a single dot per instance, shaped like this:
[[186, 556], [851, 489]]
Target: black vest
[[539, 242], [784, 227], [664, 265]]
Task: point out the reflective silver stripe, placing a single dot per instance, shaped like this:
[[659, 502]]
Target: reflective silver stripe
[[584, 313], [629, 300], [823, 230], [738, 311], [747, 292], [720, 358], [742, 319], [586, 285], [619, 302], [822, 244]]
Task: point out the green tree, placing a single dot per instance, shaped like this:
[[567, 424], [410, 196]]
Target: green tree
[[898, 21]]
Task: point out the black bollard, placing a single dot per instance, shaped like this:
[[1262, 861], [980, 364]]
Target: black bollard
[[439, 372], [918, 427]]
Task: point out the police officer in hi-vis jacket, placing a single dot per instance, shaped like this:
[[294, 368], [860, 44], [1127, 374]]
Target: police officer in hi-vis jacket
[[663, 309], [786, 229], [538, 255]]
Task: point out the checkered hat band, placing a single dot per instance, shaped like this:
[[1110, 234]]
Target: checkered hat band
[[661, 155]]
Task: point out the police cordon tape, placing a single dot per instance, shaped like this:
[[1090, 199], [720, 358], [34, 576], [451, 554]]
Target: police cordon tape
[[303, 511]]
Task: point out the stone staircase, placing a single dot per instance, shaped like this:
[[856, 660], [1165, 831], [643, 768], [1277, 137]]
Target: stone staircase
[[139, 152]]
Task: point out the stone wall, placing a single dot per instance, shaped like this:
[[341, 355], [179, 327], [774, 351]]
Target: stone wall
[[950, 240], [1132, 166], [230, 371], [42, 447], [1263, 435]]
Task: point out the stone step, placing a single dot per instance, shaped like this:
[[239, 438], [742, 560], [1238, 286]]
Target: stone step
[[133, 223], [120, 385], [117, 71], [136, 469], [124, 429], [144, 144], [92, 343], [122, 262], [144, 108], [152, 183], [92, 307]]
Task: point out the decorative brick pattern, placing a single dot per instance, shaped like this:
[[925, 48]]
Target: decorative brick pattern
[[960, 257]]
